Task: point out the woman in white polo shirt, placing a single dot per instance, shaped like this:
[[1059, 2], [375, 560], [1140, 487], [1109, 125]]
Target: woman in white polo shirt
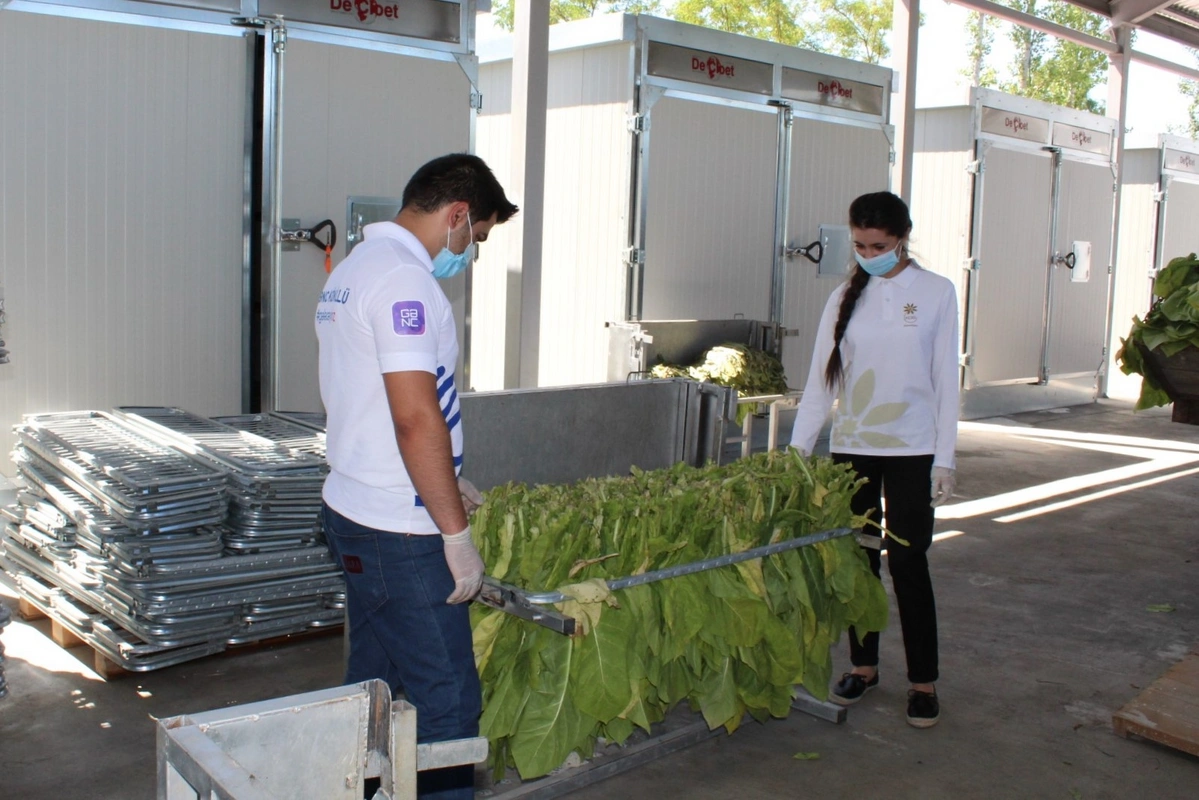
[[887, 350]]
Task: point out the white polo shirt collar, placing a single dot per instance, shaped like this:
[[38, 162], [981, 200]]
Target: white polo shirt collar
[[390, 230]]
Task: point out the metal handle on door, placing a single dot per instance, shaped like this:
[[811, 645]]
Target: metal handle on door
[[806, 252], [1068, 260]]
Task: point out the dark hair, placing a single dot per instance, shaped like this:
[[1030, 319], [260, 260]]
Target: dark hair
[[458, 177], [885, 212]]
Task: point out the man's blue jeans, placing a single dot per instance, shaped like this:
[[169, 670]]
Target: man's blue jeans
[[403, 632]]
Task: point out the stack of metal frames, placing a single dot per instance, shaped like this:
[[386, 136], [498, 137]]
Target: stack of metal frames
[[275, 489], [120, 536], [5, 618]]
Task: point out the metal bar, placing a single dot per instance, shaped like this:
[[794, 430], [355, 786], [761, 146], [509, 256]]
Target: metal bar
[[272, 182], [510, 599], [831, 712], [1038, 24], [545, 598], [782, 209], [1051, 268], [1169, 66]]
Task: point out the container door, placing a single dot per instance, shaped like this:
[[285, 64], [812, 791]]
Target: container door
[[709, 238], [355, 123], [831, 164], [1078, 317], [1007, 316], [1179, 234]]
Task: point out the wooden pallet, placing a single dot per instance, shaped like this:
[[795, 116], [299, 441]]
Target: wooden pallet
[[108, 669], [1168, 711]]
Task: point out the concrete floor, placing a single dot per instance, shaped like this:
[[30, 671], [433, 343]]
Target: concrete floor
[[1045, 631]]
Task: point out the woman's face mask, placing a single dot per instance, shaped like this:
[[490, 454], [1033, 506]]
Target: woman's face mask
[[447, 263], [880, 264]]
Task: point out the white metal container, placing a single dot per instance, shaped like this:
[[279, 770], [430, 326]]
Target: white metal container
[[681, 163], [1159, 208], [1014, 200], [121, 216]]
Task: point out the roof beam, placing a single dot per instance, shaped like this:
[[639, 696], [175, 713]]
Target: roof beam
[[1169, 66], [1179, 32], [1036, 23], [1126, 12]]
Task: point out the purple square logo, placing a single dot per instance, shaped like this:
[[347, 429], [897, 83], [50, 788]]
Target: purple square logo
[[408, 318]]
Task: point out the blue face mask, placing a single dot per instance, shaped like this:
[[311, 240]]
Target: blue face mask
[[880, 264], [447, 264]]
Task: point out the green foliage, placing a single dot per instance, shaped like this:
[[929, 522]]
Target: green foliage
[[753, 373], [1190, 90], [1044, 67], [728, 641], [1172, 325], [568, 10], [776, 20], [856, 29]]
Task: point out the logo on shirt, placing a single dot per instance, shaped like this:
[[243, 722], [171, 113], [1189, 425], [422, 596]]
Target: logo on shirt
[[408, 318], [909, 315]]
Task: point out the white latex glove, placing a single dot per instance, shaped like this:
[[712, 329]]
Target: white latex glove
[[472, 498], [466, 565], [943, 485]]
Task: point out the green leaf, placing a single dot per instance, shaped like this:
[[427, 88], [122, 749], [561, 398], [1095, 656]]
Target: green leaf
[[806, 756], [885, 412], [551, 726], [863, 393], [1162, 608], [717, 697], [600, 683]]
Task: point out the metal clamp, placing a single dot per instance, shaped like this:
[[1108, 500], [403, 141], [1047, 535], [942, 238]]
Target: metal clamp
[[505, 597], [806, 252]]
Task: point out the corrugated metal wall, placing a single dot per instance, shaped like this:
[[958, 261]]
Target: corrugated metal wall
[[121, 159], [1079, 316], [831, 164], [710, 235], [356, 122], [1132, 287], [1013, 259]]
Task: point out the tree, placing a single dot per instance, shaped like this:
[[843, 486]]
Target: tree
[[566, 10], [1054, 70], [1190, 90], [776, 20], [981, 30], [856, 29]]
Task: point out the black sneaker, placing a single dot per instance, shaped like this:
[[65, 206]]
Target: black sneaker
[[851, 687], [923, 709]]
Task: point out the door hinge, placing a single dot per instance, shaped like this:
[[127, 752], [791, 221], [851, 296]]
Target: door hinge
[[891, 157], [476, 101], [972, 264], [279, 38], [965, 360], [976, 167], [638, 123], [1161, 197], [634, 256]]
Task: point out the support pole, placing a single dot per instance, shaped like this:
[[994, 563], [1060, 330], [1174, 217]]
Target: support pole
[[905, 34], [530, 83], [1117, 106]]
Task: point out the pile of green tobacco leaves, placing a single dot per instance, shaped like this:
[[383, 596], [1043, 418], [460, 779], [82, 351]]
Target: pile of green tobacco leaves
[[753, 373], [1172, 325], [727, 641]]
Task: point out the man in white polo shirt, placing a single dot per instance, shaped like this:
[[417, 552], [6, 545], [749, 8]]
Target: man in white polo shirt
[[395, 507]]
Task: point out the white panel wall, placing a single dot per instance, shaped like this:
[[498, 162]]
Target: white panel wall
[[588, 173], [356, 122], [586, 219], [831, 164], [121, 155], [711, 196], [493, 274], [943, 193], [1132, 289], [1079, 316], [1180, 234]]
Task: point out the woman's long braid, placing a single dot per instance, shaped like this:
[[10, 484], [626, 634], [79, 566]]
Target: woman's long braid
[[833, 370]]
